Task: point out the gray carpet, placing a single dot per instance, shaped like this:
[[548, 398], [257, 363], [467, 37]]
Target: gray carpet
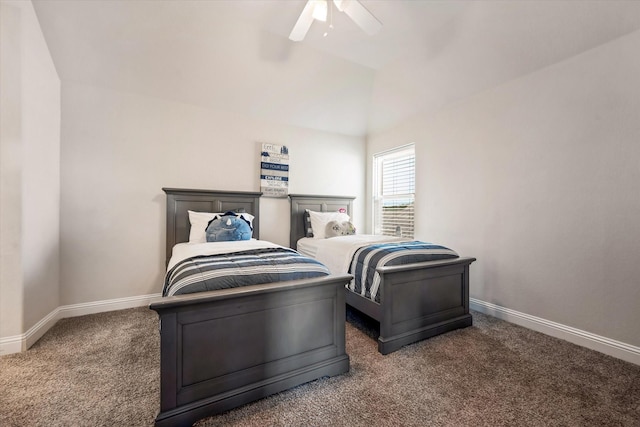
[[103, 370]]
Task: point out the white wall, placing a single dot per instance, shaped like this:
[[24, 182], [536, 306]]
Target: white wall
[[539, 179], [30, 178], [10, 172], [118, 151]]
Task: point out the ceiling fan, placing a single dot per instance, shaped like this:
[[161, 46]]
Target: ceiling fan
[[317, 10]]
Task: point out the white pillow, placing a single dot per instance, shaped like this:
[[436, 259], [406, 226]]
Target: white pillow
[[319, 221], [200, 220]]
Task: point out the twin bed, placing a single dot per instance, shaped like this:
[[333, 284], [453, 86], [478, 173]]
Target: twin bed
[[416, 300], [223, 348]]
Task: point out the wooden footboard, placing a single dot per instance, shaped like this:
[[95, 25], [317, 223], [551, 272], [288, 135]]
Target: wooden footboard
[[418, 301], [225, 348]]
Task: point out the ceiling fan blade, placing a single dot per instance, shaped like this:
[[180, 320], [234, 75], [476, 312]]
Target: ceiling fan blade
[[303, 24], [360, 15], [339, 5]]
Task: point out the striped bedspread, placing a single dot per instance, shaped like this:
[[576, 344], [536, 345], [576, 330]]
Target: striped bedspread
[[366, 259], [251, 267]]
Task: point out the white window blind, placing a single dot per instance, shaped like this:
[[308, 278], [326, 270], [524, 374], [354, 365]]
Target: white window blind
[[394, 179]]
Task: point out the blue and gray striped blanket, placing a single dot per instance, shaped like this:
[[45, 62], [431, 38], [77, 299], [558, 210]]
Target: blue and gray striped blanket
[[251, 267], [365, 260]]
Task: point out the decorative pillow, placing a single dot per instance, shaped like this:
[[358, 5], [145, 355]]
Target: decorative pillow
[[339, 228], [319, 221], [228, 227], [200, 220], [308, 231]]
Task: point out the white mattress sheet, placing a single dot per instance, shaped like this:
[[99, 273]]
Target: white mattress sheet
[[336, 252], [183, 251]]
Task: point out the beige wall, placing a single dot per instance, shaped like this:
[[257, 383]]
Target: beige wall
[[118, 151], [30, 177], [539, 179]]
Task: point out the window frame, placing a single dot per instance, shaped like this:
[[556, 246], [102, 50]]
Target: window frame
[[402, 200]]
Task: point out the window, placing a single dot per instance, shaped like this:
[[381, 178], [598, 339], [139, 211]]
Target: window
[[394, 187]]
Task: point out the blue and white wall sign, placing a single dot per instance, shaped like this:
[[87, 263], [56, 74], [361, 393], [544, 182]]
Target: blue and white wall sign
[[274, 170]]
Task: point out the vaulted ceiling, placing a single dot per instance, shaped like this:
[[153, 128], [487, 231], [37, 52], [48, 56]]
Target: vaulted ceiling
[[235, 55]]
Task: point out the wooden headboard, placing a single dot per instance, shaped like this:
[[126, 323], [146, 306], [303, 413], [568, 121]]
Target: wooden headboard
[[300, 202], [181, 200]]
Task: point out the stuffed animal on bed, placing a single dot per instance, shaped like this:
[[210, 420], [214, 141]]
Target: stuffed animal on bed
[[339, 228], [228, 227]]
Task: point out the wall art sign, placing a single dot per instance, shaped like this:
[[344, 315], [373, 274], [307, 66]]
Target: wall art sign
[[274, 170]]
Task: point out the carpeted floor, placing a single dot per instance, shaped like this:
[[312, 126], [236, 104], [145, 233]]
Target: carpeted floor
[[103, 370]]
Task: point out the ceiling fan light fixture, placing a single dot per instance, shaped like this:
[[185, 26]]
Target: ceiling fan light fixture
[[320, 10]]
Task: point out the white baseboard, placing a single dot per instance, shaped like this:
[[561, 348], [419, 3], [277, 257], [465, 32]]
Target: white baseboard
[[11, 344], [620, 350], [18, 343], [595, 342], [82, 309]]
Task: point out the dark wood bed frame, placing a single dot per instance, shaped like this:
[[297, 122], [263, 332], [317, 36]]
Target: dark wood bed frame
[[222, 349], [418, 300]]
